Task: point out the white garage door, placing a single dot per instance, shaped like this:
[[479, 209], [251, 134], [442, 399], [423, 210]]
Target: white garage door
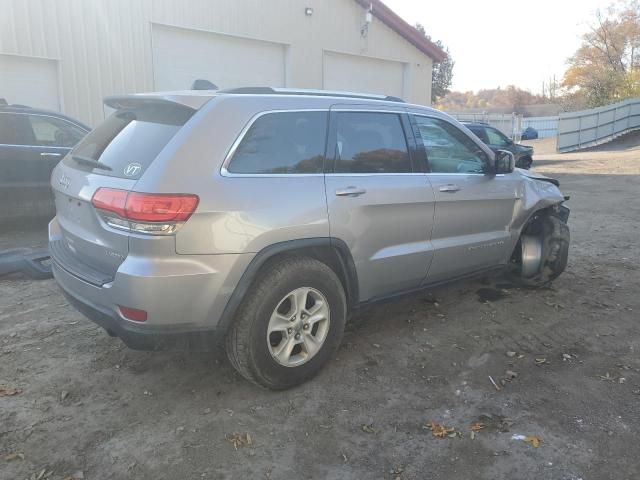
[[355, 73], [181, 56], [29, 81]]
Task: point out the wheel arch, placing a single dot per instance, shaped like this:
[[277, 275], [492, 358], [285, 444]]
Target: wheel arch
[[534, 223], [331, 251]]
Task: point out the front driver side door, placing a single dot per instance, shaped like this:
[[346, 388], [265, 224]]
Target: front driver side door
[[473, 210]]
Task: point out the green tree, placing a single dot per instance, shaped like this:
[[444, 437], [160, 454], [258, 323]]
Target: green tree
[[442, 74]]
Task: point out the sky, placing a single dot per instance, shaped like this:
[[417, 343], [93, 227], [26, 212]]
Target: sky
[[501, 42]]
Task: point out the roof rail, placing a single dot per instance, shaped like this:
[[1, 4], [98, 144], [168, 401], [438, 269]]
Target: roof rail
[[319, 93], [479, 122]]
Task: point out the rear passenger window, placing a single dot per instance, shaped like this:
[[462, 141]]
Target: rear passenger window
[[53, 132], [370, 142], [282, 142]]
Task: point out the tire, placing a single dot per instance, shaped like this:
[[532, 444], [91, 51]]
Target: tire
[[555, 237], [249, 344]]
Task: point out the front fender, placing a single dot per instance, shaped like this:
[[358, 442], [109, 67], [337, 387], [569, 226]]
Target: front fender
[[536, 193]]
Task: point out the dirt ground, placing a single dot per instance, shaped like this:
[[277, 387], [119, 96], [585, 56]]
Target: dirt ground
[[90, 408]]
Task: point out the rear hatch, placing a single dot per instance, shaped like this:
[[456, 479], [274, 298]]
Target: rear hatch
[[112, 156]]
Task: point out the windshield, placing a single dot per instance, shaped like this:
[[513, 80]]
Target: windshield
[[129, 140]]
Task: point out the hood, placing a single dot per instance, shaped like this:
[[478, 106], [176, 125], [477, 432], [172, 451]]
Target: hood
[[524, 148], [537, 176]]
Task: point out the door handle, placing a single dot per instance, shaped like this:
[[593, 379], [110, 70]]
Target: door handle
[[350, 192], [450, 188], [50, 154]]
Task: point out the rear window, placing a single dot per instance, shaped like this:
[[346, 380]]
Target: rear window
[[129, 140]]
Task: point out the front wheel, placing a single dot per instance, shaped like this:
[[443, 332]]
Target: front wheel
[[542, 252], [290, 324]]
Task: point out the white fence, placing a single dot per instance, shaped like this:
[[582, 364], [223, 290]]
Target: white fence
[[599, 125], [508, 123], [546, 126]]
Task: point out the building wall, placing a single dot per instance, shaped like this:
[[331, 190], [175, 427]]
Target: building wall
[[104, 47]]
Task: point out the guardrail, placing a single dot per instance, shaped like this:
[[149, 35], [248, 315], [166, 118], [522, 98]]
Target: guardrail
[[587, 128]]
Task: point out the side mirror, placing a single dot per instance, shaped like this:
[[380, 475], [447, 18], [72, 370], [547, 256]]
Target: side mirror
[[505, 162]]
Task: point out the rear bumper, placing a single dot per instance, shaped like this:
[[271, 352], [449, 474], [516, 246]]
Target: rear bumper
[[140, 338], [184, 296]]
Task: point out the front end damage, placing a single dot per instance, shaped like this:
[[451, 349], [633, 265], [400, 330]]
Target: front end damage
[[539, 231]]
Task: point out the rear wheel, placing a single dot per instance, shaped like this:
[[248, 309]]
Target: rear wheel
[[289, 325], [542, 252]]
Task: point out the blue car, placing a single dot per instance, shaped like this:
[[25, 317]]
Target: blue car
[[529, 133]]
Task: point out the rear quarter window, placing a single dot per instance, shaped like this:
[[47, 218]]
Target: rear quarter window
[[282, 142], [129, 140]]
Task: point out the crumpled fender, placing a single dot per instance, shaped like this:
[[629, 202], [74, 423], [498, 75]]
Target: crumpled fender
[[537, 176], [537, 192]]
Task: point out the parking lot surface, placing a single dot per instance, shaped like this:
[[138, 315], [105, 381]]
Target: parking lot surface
[[565, 362]]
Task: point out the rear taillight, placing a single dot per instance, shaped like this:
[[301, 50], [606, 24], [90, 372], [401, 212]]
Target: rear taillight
[[154, 213]]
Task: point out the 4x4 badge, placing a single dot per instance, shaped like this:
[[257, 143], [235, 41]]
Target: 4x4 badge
[[132, 169]]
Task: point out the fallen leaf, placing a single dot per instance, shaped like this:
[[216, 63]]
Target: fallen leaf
[[477, 426], [368, 428], [510, 374], [240, 440], [7, 391], [14, 456], [441, 431], [533, 440]]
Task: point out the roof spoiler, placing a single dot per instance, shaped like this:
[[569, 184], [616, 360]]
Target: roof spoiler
[[125, 102]]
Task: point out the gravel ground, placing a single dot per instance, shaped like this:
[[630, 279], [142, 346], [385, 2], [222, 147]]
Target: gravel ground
[[567, 355]]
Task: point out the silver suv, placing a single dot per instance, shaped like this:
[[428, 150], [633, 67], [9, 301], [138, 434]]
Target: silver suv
[[263, 217]]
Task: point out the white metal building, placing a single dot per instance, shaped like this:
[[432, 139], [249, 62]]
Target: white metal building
[[68, 54]]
